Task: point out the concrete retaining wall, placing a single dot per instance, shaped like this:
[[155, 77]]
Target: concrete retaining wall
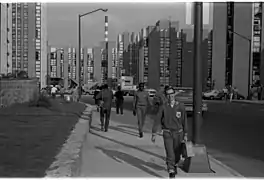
[[17, 91]]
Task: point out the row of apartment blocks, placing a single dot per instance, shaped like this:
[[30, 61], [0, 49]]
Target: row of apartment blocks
[[24, 39], [163, 55], [62, 63], [160, 54]]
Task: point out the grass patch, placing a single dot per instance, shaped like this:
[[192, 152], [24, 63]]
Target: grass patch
[[31, 137]]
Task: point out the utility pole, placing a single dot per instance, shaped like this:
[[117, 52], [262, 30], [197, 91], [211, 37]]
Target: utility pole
[[79, 64], [197, 75]]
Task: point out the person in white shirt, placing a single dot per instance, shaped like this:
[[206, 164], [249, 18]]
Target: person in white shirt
[[53, 91]]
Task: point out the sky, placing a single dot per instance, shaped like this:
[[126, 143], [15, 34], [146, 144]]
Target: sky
[[132, 17]]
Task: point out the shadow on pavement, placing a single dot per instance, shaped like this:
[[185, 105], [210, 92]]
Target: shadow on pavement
[[124, 131], [129, 146], [129, 127], [133, 161]]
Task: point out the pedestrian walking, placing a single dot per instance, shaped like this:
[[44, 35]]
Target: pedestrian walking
[[119, 95], [225, 90], [96, 101], [172, 118], [231, 92], [75, 94], [106, 97], [62, 91], [53, 92], [140, 104]]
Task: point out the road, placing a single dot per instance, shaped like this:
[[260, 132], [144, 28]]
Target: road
[[232, 133]]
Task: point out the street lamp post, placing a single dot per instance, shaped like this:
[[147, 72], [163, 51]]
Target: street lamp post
[[197, 84], [249, 59], [79, 45]]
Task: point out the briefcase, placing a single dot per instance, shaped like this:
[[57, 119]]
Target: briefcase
[[195, 158], [187, 149]]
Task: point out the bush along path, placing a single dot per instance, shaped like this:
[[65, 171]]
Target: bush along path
[[31, 137]]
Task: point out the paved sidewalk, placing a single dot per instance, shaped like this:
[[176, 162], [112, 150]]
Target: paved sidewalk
[[120, 153]]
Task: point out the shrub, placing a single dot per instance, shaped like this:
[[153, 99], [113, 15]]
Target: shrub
[[40, 101]]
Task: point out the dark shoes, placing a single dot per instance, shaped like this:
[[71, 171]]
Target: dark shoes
[[172, 175], [141, 134]]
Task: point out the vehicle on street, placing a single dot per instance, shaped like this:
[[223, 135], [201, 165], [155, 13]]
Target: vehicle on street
[[185, 95], [221, 96], [211, 94], [152, 92]]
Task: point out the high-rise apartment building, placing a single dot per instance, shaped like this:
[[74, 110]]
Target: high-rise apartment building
[[188, 55], [114, 63], [237, 45], [107, 64], [162, 51], [62, 64], [5, 37], [23, 26], [124, 62], [143, 54]]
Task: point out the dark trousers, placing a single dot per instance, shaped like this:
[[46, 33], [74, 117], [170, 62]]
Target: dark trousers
[[119, 106], [105, 117], [172, 142], [141, 115]]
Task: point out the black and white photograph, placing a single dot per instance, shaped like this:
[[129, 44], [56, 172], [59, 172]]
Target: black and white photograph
[[131, 89]]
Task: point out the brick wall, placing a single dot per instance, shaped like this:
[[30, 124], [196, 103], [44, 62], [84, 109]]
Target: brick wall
[[17, 91]]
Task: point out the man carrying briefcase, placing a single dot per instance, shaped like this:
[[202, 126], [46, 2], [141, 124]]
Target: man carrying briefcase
[[172, 118]]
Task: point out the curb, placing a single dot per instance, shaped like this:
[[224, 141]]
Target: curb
[[68, 161], [230, 170], [248, 102]]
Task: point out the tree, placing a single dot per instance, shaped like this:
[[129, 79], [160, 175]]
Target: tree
[[22, 75]]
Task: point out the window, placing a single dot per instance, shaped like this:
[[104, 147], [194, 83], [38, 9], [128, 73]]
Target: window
[[256, 44]]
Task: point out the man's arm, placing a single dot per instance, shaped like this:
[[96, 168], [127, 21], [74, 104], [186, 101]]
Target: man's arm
[[158, 120], [135, 101], [184, 120], [112, 94]]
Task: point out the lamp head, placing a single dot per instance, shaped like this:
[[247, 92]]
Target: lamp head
[[105, 10]]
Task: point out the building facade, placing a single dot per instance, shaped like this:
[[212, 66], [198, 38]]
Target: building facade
[[188, 55], [237, 49], [62, 64], [23, 26], [5, 37], [163, 54]]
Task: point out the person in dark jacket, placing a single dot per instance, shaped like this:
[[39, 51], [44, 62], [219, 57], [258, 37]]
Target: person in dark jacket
[[172, 118], [106, 97], [96, 101], [140, 104], [119, 95]]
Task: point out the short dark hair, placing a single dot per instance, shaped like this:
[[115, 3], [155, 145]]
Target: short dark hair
[[141, 84], [169, 88]]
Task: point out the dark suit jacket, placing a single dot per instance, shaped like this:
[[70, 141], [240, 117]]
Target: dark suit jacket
[[106, 95]]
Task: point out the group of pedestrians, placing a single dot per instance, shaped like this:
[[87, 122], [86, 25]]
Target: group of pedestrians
[[171, 118], [230, 93]]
